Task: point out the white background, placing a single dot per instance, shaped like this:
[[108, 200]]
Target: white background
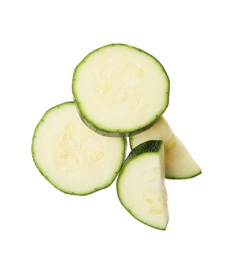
[[41, 42]]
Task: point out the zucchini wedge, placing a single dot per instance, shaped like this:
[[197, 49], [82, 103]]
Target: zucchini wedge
[[179, 162], [120, 90], [73, 158], [140, 185]]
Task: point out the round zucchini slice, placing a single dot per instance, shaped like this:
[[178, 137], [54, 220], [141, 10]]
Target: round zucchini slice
[[120, 90], [141, 185], [72, 157]]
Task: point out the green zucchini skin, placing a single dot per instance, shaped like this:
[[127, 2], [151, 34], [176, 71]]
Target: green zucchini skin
[[151, 146], [191, 176], [117, 132]]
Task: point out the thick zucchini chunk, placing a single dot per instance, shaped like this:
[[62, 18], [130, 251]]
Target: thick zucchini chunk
[[120, 89], [141, 185], [72, 157], [178, 160]]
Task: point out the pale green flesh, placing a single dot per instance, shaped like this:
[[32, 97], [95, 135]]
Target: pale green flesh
[[120, 89], [72, 157], [179, 162], [141, 189]]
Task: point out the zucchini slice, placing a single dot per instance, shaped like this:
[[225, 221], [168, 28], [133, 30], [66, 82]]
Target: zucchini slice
[[120, 89], [73, 158], [141, 185], [178, 160]]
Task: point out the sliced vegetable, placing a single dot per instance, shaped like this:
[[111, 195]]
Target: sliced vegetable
[[178, 160], [140, 185], [120, 90], [72, 157]]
